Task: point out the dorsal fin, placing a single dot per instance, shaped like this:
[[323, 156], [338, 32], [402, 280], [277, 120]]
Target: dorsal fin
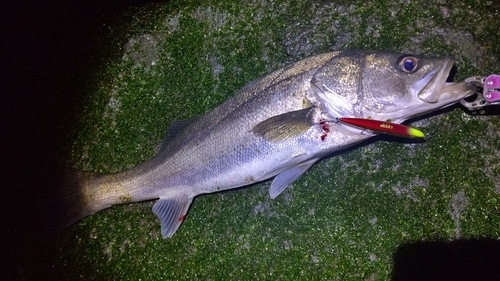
[[174, 129]]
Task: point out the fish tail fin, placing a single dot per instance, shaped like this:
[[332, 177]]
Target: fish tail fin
[[71, 200], [171, 212]]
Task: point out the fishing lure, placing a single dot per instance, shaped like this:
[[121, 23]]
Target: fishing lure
[[384, 127]]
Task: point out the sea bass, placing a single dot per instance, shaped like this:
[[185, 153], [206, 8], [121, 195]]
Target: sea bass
[[276, 126]]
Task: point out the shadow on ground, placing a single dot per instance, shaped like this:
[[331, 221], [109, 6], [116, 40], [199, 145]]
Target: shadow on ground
[[475, 259]]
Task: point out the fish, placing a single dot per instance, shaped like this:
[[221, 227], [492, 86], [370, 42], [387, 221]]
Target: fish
[[277, 126]]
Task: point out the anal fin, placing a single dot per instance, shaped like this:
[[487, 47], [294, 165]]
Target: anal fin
[[284, 179], [171, 212]]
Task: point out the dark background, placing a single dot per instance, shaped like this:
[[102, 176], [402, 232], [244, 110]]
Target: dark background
[[48, 49]]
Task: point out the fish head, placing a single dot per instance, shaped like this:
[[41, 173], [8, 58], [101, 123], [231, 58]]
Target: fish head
[[387, 86]]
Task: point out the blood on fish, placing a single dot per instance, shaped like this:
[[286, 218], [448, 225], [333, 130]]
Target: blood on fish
[[181, 218], [325, 128]]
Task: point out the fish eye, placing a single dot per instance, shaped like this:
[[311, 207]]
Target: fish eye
[[408, 64]]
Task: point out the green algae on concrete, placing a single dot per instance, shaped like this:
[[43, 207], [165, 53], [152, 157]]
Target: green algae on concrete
[[343, 219]]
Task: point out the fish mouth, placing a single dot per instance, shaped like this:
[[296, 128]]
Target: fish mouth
[[430, 87], [459, 90], [434, 88]]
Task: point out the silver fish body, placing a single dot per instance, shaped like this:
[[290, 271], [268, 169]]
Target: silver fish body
[[277, 126]]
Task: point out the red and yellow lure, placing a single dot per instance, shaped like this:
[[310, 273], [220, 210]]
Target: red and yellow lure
[[383, 127]]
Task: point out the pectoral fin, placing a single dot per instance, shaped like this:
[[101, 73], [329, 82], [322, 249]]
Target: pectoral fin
[[284, 179], [280, 127], [171, 212]]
